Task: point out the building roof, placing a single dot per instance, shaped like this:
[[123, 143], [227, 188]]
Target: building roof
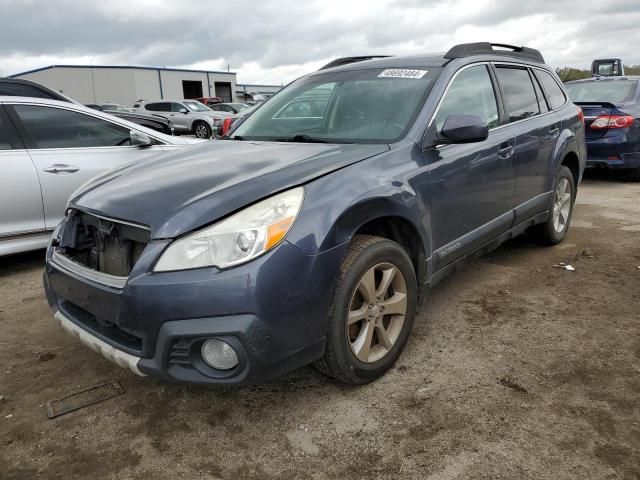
[[126, 67]]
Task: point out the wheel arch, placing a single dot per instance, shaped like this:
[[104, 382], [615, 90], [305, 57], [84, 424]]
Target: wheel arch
[[402, 221], [572, 163], [401, 231]]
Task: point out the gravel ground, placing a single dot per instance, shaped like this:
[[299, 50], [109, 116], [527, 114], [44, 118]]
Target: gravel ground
[[515, 369]]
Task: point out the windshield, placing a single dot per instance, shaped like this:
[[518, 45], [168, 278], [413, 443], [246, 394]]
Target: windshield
[[362, 106], [196, 106], [613, 91]]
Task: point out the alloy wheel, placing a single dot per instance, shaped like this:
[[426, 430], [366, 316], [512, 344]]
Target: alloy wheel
[[377, 312], [201, 131], [562, 205]]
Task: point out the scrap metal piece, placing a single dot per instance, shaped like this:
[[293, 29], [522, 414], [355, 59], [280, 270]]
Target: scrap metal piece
[[83, 398]]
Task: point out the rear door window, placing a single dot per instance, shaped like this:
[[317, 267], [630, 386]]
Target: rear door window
[[59, 128], [158, 107], [542, 101], [470, 93], [554, 93], [518, 92]]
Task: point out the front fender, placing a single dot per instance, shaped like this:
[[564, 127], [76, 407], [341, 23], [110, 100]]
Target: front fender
[[335, 209]]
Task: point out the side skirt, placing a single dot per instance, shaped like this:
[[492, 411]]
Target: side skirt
[[513, 232]]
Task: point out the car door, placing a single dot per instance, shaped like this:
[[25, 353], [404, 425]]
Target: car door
[[471, 185], [536, 131], [21, 212], [180, 118], [69, 147]]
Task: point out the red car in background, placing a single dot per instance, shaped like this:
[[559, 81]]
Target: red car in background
[[209, 100]]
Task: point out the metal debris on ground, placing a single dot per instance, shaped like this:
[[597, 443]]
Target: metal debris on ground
[[565, 267], [83, 398]]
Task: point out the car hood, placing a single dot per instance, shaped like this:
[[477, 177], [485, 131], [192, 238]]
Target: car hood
[[177, 192]]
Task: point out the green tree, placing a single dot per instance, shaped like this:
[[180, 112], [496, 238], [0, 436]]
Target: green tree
[[567, 74]]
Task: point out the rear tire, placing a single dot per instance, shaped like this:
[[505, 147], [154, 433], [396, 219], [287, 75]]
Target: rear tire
[[555, 229], [201, 129], [372, 311]]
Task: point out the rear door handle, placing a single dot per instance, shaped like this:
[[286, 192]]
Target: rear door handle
[[61, 168], [505, 151], [554, 132]]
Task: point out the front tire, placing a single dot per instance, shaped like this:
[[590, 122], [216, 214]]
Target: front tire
[[202, 129], [555, 229], [372, 311]]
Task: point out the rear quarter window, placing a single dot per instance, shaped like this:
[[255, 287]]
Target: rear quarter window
[[553, 92]]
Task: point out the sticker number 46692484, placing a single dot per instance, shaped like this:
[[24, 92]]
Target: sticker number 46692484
[[402, 73]]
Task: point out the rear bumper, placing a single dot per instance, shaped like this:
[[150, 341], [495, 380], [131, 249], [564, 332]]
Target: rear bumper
[[614, 161], [613, 150]]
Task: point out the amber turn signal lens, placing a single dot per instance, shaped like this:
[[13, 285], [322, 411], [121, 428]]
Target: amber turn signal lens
[[277, 231]]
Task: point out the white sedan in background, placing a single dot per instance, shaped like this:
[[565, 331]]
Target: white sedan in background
[[50, 148]]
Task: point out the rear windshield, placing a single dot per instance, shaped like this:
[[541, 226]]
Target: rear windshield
[[612, 91], [360, 106]]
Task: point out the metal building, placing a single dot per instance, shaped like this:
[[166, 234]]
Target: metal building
[[126, 84]]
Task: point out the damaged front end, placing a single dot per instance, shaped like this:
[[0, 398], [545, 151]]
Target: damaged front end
[[100, 244]]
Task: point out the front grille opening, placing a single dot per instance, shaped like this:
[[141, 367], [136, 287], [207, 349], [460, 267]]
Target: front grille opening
[[103, 245], [125, 339]]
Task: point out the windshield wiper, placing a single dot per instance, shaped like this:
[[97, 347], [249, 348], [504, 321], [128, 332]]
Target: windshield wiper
[[302, 138]]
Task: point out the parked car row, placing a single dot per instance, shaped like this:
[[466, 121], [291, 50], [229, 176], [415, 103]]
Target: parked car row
[[309, 231]]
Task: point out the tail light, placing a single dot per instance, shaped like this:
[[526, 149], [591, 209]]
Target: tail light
[[612, 121], [581, 116], [226, 125]]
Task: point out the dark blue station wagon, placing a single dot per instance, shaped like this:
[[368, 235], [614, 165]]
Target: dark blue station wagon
[[309, 233]]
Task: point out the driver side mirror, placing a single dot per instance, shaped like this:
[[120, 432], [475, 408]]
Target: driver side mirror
[[463, 129], [139, 139], [184, 110]]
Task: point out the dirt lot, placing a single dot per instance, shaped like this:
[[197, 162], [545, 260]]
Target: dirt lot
[[515, 369]]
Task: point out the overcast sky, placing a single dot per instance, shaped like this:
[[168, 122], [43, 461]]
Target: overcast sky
[[275, 41]]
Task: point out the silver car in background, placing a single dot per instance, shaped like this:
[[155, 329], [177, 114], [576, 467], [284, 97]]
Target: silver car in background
[[50, 148], [188, 116]]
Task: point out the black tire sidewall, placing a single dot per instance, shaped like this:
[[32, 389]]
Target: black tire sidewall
[[380, 252]]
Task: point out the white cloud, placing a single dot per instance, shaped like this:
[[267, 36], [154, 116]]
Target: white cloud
[[274, 41]]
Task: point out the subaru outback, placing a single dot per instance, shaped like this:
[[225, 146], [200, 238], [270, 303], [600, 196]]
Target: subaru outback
[[310, 238]]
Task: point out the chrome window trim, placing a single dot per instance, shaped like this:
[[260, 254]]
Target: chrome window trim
[[496, 64], [69, 266]]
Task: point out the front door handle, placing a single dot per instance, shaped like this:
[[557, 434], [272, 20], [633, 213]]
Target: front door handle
[[61, 168], [505, 151]]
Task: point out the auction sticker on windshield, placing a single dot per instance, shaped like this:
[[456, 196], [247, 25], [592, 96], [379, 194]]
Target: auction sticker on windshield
[[402, 73]]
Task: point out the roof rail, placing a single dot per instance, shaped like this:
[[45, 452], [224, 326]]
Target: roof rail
[[347, 60], [487, 48]]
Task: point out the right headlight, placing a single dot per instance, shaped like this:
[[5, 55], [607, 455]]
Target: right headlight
[[237, 239]]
